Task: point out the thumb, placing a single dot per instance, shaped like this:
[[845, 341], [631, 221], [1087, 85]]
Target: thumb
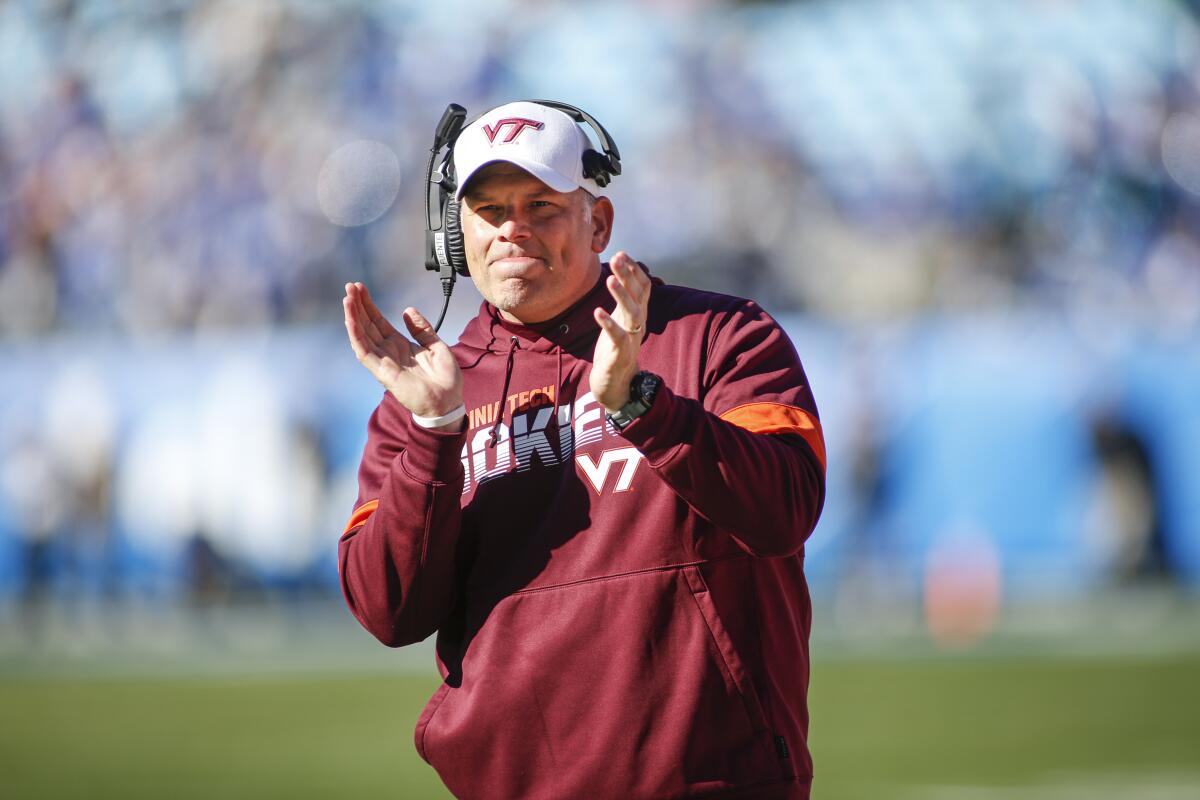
[[420, 328]]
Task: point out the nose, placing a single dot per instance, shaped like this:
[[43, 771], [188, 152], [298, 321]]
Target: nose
[[514, 227]]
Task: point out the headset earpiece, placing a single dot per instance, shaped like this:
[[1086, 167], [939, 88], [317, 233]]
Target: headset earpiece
[[455, 251], [597, 167]]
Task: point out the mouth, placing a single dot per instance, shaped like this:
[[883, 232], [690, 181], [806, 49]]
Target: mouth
[[515, 266]]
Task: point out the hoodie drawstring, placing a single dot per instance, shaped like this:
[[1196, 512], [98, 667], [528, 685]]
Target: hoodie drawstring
[[514, 346], [562, 330]]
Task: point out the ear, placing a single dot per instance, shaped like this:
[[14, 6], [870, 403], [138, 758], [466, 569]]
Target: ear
[[602, 222]]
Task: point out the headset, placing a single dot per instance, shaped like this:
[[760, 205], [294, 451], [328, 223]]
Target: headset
[[444, 252]]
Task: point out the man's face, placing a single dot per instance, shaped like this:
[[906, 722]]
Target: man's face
[[532, 251]]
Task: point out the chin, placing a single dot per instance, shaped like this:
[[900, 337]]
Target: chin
[[511, 296]]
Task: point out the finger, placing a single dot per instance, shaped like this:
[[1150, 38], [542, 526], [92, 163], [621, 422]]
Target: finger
[[352, 332], [620, 264], [363, 350], [628, 310], [609, 325], [348, 302], [374, 334], [381, 322], [633, 306], [626, 267], [420, 328], [347, 305], [353, 304], [634, 277], [354, 319]]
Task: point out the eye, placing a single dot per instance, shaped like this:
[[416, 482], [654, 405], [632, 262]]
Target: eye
[[486, 210]]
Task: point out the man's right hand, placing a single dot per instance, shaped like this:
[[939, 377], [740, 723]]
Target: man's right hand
[[423, 375]]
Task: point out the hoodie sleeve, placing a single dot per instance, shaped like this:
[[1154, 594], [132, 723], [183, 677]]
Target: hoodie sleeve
[[749, 456], [396, 556]]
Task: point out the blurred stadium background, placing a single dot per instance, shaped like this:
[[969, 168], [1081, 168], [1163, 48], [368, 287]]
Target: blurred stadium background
[[980, 222]]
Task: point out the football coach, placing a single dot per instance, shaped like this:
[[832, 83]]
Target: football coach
[[598, 498]]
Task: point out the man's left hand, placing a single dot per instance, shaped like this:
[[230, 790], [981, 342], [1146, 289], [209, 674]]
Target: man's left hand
[[615, 361]]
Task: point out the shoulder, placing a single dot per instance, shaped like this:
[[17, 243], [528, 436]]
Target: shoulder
[[696, 310], [669, 296], [671, 303]]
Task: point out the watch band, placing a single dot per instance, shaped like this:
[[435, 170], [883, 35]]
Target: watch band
[[642, 389]]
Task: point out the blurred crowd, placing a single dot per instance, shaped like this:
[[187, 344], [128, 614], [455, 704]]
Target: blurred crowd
[[222, 167], [159, 163]]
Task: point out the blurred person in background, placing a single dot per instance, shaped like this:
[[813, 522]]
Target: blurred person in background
[[1126, 503], [598, 499], [28, 483]]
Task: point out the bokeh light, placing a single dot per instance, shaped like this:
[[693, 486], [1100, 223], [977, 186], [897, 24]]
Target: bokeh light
[[358, 183]]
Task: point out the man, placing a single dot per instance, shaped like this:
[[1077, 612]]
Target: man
[[598, 499]]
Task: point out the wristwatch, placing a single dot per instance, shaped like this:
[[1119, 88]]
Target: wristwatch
[[642, 390]]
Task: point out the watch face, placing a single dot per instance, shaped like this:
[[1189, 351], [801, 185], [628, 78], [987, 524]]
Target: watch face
[[647, 386]]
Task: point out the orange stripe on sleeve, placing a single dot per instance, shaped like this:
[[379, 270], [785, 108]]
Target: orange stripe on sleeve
[[361, 515], [780, 418]]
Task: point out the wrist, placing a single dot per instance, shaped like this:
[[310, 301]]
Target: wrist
[[457, 426], [448, 421], [617, 403], [429, 407], [621, 395]]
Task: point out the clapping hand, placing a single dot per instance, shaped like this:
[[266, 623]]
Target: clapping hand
[[615, 361], [422, 374]]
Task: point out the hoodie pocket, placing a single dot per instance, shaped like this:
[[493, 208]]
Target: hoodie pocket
[[734, 671], [623, 686]]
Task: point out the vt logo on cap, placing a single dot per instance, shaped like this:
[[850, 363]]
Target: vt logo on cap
[[519, 124]]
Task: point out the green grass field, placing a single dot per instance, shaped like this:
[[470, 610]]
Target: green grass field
[[911, 728]]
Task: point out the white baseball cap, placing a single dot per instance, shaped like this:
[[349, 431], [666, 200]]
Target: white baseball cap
[[541, 140]]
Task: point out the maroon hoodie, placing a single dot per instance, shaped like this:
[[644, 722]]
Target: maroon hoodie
[[619, 615]]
